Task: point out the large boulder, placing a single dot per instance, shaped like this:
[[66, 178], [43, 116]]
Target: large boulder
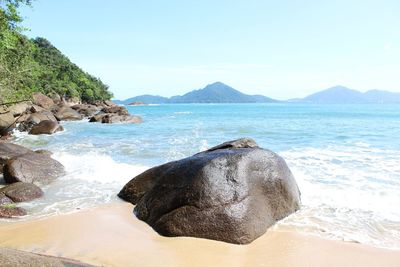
[[16, 258], [233, 193], [36, 108], [34, 119], [7, 122], [9, 150], [19, 192], [42, 116], [42, 100], [34, 168], [97, 118], [46, 127], [71, 101], [55, 97], [109, 103], [10, 211], [66, 113], [20, 108], [86, 110], [115, 110], [115, 118]]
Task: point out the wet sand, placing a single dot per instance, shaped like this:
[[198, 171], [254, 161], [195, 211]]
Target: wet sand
[[112, 236]]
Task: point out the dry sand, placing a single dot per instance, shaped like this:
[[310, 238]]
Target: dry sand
[[111, 236]]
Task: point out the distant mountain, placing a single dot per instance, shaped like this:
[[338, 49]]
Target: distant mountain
[[219, 93], [333, 95], [344, 95], [382, 97], [212, 93], [222, 93]]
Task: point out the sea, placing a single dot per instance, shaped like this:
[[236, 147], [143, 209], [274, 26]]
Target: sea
[[345, 159]]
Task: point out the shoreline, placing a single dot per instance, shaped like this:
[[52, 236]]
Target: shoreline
[[110, 235]]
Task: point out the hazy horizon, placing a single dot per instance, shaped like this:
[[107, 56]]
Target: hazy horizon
[[280, 50], [244, 91]]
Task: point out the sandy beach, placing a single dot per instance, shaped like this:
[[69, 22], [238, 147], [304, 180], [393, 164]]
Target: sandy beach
[[112, 236]]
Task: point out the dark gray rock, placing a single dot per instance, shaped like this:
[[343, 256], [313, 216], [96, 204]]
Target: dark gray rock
[[36, 108], [7, 122], [115, 110], [20, 192], [240, 143], [86, 110], [44, 115], [109, 103], [234, 192], [42, 100], [115, 118], [97, 118], [9, 150], [66, 113], [20, 108], [34, 119], [4, 200], [46, 127], [16, 258], [11, 212], [34, 168]]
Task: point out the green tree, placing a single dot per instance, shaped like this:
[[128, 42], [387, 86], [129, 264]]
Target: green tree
[[15, 51], [9, 12], [31, 65]]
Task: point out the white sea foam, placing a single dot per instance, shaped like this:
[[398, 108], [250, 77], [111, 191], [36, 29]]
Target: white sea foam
[[183, 112], [348, 193], [97, 167], [91, 179]]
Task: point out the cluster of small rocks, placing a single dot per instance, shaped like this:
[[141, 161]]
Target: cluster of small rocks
[[43, 114]]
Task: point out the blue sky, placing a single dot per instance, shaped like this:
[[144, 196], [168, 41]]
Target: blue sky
[[282, 49]]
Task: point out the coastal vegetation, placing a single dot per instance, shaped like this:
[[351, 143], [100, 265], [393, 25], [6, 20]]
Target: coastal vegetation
[[35, 65]]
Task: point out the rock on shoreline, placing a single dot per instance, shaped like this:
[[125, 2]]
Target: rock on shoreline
[[24, 169], [115, 114], [36, 168], [27, 115], [17, 258], [46, 127], [233, 192], [20, 192]]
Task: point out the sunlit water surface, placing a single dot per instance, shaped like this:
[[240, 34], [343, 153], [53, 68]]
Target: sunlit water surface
[[345, 159]]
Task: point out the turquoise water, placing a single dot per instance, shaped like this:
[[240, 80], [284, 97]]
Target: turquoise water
[[345, 159]]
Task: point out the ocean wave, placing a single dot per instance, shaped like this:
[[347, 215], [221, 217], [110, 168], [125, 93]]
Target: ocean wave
[[93, 166], [91, 179], [348, 193], [183, 112]]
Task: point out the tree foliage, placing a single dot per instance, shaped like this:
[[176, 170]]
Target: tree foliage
[[31, 65]]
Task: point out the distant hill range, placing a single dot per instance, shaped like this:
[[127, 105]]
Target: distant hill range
[[343, 95], [222, 93], [212, 93]]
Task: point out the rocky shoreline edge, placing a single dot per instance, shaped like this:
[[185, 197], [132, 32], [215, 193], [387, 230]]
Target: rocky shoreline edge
[[42, 114], [23, 169]]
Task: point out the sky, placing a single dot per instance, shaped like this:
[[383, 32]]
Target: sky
[[281, 49]]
